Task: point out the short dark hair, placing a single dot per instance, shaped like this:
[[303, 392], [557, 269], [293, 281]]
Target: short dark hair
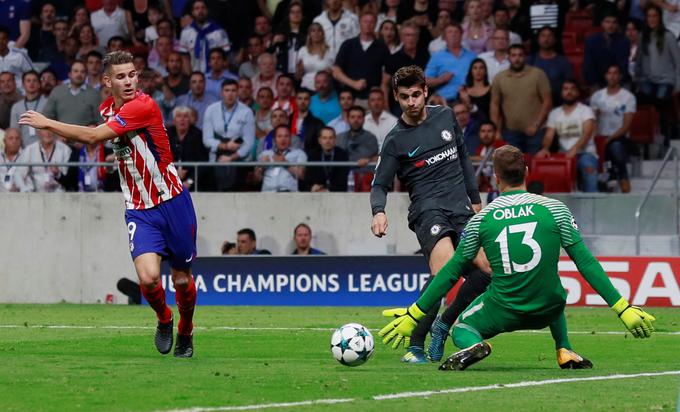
[[326, 128], [219, 50], [276, 129], [28, 73], [516, 46], [299, 225], [4, 29], [489, 123], [266, 89], [408, 76], [197, 73], [570, 81], [115, 38], [94, 53], [347, 91], [247, 231], [305, 90], [509, 165], [357, 108], [115, 58], [228, 82], [285, 76], [48, 70], [376, 89]]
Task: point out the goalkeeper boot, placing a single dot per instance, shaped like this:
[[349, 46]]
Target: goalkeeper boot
[[414, 354], [439, 333], [163, 337], [568, 359], [185, 346], [462, 359]]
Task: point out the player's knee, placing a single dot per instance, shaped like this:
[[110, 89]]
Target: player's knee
[[181, 282], [149, 280]]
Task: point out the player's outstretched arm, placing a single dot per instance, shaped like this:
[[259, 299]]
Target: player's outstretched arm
[[81, 134], [636, 320]]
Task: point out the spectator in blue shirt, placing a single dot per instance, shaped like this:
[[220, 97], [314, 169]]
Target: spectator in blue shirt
[[302, 236], [16, 16], [447, 69], [325, 104], [604, 49], [197, 98], [555, 65]]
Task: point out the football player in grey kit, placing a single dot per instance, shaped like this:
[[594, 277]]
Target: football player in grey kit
[[425, 149]]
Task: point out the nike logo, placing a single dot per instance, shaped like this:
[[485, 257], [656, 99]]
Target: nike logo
[[189, 260], [413, 152]]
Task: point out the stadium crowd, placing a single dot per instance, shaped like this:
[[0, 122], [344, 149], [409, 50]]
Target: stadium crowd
[[296, 81]]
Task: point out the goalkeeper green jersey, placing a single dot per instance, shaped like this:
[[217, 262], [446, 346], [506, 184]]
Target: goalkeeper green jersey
[[521, 234]]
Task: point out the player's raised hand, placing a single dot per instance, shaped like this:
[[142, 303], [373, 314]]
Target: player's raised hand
[[636, 320], [34, 119], [379, 224], [400, 329]]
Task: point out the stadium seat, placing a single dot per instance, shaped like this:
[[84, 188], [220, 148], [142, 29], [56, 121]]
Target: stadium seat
[[576, 60], [557, 173], [578, 22], [571, 43], [644, 127], [600, 146], [362, 181]]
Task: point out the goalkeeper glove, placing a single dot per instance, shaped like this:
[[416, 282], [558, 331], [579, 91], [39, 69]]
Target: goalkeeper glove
[[636, 320], [400, 329]]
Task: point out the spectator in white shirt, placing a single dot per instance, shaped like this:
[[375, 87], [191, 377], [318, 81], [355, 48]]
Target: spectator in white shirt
[[496, 59], [43, 178], [574, 123], [267, 74], [200, 36], [9, 154], [338, 24], [13, 60], [313, 57], [278, 178], [378, 121], [110, 21], [443, 19], [615, 107]]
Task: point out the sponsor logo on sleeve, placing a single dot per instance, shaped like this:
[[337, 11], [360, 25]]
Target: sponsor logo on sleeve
[[120, 120]]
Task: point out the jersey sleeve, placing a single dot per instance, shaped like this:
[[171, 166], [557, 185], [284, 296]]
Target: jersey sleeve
[[132, 116], [569, 233], [385, 170]]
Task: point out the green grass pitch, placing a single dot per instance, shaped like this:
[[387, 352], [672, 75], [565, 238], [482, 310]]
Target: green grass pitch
[[103, 359]]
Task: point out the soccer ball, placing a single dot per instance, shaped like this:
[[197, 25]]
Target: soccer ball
[[352, 344]]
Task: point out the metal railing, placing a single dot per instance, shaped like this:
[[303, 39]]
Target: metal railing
[[671, 153]]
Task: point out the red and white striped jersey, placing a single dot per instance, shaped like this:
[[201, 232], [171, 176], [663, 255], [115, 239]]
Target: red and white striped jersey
[[147, 175]]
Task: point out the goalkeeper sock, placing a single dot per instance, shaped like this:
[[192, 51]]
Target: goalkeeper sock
[[186, 301], [420, 332], [558, 329], [465, 336], [476, 283], [156, 299]]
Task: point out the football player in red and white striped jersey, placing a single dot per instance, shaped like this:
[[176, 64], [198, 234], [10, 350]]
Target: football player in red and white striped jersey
[[160, 215]]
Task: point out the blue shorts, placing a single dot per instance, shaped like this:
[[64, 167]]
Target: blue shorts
[[168, 229]]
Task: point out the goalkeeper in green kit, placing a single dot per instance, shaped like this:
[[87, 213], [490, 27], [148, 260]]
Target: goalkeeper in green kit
[[521, 234]]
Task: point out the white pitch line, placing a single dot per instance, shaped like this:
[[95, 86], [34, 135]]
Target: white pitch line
[[304, 329], [402, 395]]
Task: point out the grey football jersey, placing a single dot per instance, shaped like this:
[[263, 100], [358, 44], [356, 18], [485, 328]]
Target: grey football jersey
[[432, 161]]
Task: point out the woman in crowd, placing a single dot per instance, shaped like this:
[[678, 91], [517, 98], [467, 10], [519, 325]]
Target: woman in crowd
[[289, 39], [476, 93], [313, 57], [476, 31], [388, 34], [657, 67], [87, 40]]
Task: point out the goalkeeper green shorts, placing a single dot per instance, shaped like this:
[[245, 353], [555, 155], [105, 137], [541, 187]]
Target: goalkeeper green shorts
[[489, 318]]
